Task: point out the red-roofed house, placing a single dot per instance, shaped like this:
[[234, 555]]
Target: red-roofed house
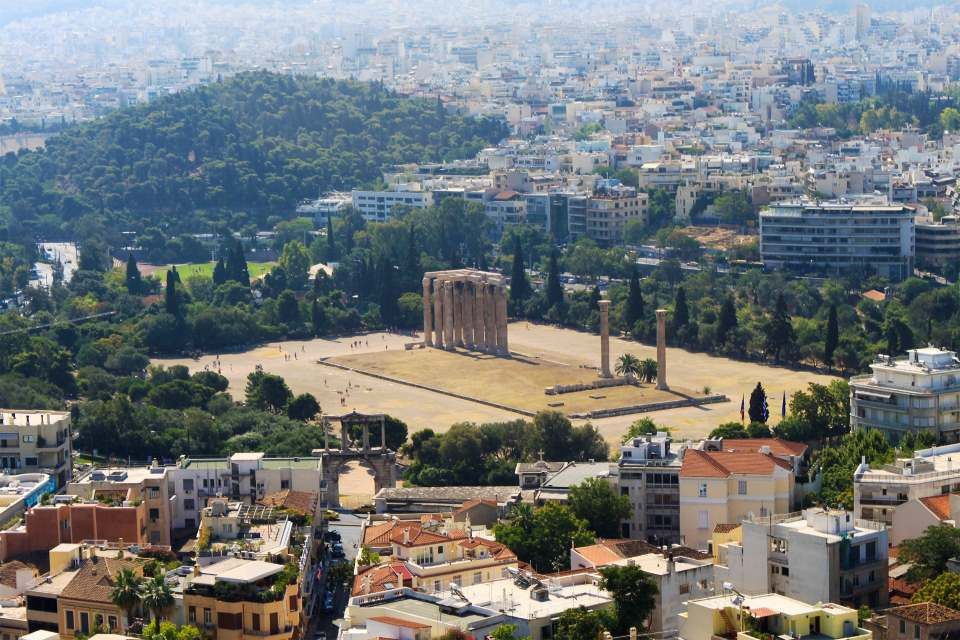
[[722, 487], [913, 517]]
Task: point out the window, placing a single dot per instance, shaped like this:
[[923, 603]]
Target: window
[[703, 489], [154, 514], [684, 588], [189, 504], [192, 615], [188, 484], [625, 491], [98, 621], [785, 571], [292, 603], [207, 617], [27, 438], [284, 484], [30, 462], [703, 520], [916, 631], [436, 585], [742, 487], [153, 493], [84, 622], [256, 622], [70, 619], [274, 623], [477, 577]]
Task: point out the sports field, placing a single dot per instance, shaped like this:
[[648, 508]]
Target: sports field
[[204, 269]]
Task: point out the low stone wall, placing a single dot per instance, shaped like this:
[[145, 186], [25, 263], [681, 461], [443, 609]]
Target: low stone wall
[[651, 406], [599, 383]]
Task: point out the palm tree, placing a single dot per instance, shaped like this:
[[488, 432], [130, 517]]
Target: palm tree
[[648, 370], [628, 365], [156, 596], [126, 591]]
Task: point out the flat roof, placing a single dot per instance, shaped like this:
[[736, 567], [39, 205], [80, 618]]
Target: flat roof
[[416, 610], [237, 571], [53, 585], [773, 601], [516, 601]]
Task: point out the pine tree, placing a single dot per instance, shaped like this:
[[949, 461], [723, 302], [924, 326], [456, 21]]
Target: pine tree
[[519, 285], [633, 312], [832, 339], [170, 298], [554, 288], [681, 314], [237, 265], [595, 297], [758, 412], [219, 273], [781, 340], [727, 322], [134, 281]]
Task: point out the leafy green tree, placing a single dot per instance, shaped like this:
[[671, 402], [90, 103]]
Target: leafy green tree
[[133, 280], [950, 119], [295, 261], [634, 596], [288, 309], [596, 501], [642, 427], [318, 319], [579, 624], [543, 537], [648, 370], [729, 431], [267, 392], [929, 553], [734, 207], [507, 632], [758, 410], [303, 407], [832, 338], [944, 590]]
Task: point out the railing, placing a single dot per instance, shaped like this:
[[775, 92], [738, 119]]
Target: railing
[[899, 477]]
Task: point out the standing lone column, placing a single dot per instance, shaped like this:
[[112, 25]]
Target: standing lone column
[[662, 349], [501, 301], [427, 315], [604, 338], [438, 314], [448, 339]]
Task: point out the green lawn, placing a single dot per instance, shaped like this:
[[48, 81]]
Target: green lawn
[[205, 269]]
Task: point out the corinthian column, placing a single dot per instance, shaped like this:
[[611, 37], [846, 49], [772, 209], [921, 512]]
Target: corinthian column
[[466, 298], [448, 338], [438, 313], [427, 315], [501, 297], [489, 319], [604, 338], [662, 349]]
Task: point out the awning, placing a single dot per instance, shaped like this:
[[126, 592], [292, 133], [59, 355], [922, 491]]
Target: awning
[[762, 612]]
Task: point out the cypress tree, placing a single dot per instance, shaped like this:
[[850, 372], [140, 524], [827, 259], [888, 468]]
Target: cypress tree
[[134, 281], [681, 314], [780, 339], [170, 295], [727, 321], [595, 298], [554, 288], [237, 265], [331, 241], [634, 309], [318, 318], [832, 338], [759, 412], [519, 286], [219, 273]]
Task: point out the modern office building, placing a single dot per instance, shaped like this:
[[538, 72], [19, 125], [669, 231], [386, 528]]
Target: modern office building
[[817, 556], [938, 243], [833, 237], [377, 206], [919, 392]]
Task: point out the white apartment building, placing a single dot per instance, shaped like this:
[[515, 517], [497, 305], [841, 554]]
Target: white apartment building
[[920, 392], [609, 210], [377, 206], [938, 243], [931, 472], [36, 441], [832, 237], [817, 556], [649, 475]]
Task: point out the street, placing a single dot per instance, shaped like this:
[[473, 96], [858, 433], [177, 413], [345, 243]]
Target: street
[[348, 526], [64, 252]]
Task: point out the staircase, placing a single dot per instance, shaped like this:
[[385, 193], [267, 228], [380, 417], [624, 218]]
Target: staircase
[[731, 628]]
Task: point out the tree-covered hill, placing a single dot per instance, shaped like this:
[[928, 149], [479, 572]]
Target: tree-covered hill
[[255, 144]]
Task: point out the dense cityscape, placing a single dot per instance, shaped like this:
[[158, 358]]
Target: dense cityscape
[[498, 320]]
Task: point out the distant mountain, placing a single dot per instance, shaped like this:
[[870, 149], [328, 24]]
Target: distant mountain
[[250, 147], [13, 10]]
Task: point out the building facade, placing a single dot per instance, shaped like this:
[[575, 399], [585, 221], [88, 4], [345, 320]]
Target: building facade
[[835, 237], [36, 442], [649, 475]]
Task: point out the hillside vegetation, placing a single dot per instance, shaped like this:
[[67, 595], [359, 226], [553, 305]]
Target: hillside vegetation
[[235, 152]]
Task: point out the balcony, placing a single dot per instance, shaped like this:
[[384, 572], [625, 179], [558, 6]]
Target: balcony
[[881, 501]]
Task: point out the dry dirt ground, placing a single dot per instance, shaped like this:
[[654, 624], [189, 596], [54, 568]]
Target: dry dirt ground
[[340, 391]]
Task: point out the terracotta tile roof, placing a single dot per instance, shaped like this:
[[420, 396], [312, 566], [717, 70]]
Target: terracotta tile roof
[[8, 572], [392, 532], [938, 505], [470, 504], [777, 446], [722, 464], [726, 528], [383, 577], [304, 502], [876, 296], [400, 622], [598, 554], [94, 580], [606, 551], [925, 613]]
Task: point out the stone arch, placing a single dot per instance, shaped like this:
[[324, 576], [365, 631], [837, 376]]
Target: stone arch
[[381, 460]]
